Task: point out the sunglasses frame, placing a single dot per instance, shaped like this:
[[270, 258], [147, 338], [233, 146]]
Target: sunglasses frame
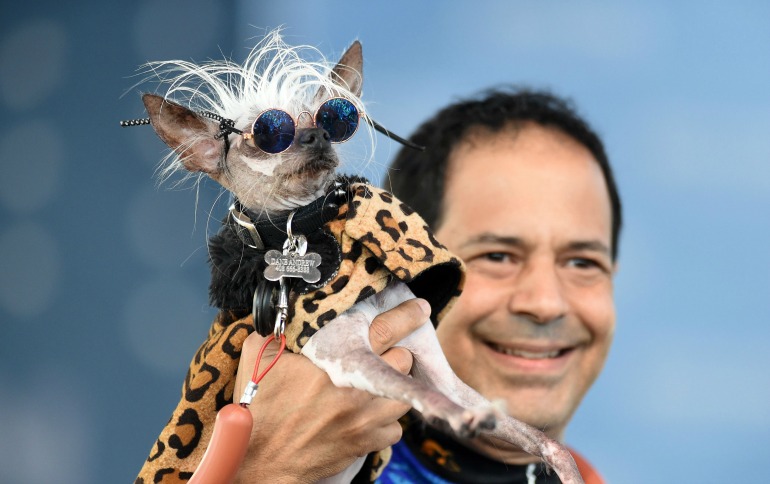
[[250, 135]]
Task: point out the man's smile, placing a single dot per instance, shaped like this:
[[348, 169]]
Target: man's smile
[[535, 358], [528, 353]]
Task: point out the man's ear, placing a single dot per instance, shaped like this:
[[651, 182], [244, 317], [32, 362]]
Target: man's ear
[[348, 73], [187, 133]]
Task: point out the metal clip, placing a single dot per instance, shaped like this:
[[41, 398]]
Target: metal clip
[[282, 310]]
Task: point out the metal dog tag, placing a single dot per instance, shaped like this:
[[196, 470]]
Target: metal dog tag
[[292, 264]]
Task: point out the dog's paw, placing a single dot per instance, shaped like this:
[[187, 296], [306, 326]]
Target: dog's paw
[[475, 420], [444, 414]]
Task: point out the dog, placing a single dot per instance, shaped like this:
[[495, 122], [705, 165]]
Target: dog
[[265, 131]]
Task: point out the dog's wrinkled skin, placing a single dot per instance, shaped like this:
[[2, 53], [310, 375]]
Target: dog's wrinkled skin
[[272, 184]]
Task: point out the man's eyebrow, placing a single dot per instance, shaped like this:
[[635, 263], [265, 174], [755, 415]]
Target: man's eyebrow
[[490, 238], [578, 245], [590, 245]]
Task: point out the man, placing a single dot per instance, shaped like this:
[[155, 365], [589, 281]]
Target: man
[[519, 187]]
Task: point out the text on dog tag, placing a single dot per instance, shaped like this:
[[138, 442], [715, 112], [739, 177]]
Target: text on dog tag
[[292, 265]]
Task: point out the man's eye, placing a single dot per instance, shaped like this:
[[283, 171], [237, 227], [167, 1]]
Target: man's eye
[[497, 257], [583, 263], [495, 265]]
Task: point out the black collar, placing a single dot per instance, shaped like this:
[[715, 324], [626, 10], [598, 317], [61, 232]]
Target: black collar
[[270, 232]]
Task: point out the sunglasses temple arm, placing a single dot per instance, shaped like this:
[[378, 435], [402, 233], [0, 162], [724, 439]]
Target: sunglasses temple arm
[[394, 136], [135, 122], [226, 127]]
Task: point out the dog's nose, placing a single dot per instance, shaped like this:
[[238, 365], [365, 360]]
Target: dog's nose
[[313, 138]]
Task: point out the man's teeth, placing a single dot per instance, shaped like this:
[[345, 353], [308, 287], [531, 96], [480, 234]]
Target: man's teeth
[[528, 354]]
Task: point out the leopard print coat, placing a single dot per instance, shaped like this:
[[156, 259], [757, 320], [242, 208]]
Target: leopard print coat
[[378, 238]]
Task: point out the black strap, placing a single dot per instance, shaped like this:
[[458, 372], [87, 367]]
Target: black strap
[[307, 219]]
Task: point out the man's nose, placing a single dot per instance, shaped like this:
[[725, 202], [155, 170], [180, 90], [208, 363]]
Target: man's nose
[[538, 293]]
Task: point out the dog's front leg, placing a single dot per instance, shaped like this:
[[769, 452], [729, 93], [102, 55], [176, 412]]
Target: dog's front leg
[[342, 349]]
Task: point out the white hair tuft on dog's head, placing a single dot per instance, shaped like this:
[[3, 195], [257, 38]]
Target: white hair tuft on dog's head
[[274, 75]]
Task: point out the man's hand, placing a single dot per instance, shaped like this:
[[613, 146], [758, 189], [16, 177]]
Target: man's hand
[[305, 428]]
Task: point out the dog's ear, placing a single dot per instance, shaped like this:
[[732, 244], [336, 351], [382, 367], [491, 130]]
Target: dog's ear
[[187, 133], [348, 73]]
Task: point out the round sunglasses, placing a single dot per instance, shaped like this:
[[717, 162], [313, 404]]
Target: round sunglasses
[[274, 130]]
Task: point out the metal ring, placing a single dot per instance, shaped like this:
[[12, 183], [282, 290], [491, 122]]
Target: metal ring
[[289, 235], [280, 325]]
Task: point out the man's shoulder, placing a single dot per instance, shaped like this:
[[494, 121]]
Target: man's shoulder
[[588, 471]]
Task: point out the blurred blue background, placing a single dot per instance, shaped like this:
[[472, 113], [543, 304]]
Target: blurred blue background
[[103, 275]]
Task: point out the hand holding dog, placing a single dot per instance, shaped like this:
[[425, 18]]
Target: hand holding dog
[[305, 428]]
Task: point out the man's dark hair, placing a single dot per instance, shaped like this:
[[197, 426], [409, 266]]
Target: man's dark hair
[[418, 177]]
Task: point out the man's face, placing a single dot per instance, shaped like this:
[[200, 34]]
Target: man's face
[[530, 215]]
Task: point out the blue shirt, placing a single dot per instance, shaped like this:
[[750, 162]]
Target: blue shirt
[[427, 456], [404, 468]]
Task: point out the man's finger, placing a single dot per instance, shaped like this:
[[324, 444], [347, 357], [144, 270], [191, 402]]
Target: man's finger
[[392, 326], [399, 358]]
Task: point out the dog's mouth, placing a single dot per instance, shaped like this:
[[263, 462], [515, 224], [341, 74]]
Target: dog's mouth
[[320, 163]]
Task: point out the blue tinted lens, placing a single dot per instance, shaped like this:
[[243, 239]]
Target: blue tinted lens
[[273, 131], [339, 117]]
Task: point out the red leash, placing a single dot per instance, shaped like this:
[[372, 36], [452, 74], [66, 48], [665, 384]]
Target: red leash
[[256, 379]]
